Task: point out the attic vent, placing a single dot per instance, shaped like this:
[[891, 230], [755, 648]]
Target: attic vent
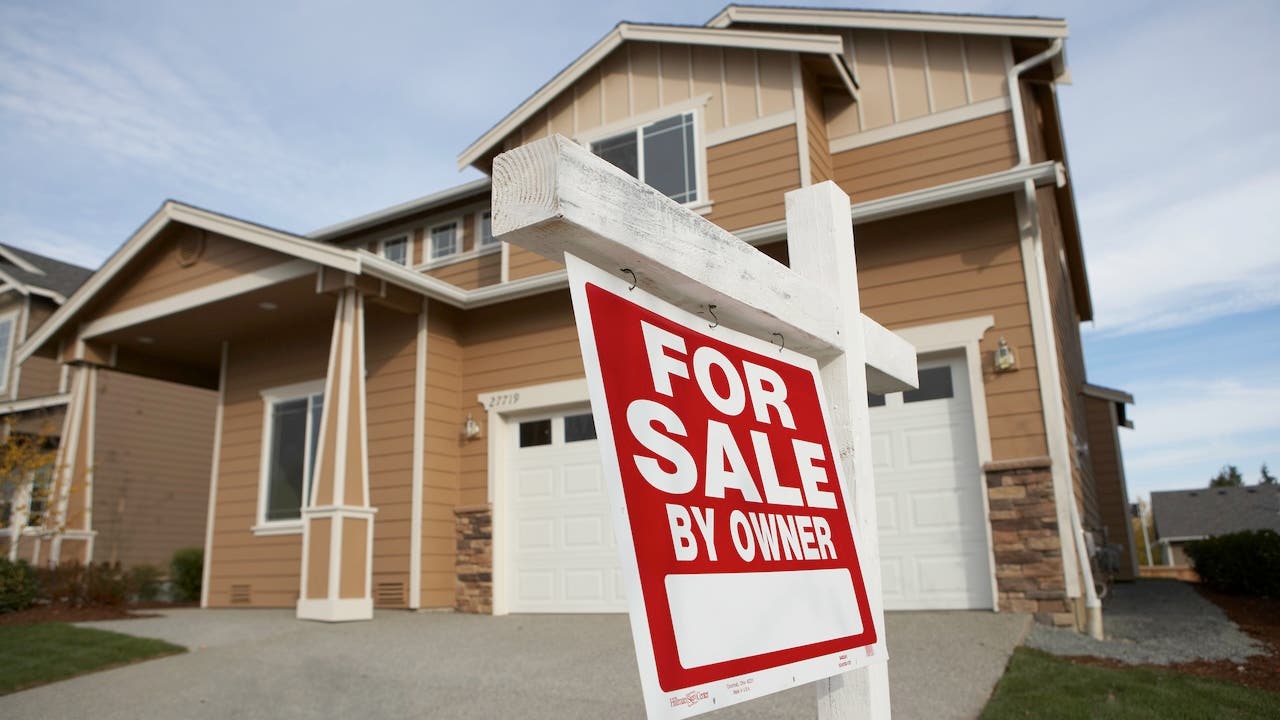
[[240, 595], [388, 594], [190, 248]]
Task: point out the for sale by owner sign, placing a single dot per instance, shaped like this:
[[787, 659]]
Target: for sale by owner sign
[[739, 560]]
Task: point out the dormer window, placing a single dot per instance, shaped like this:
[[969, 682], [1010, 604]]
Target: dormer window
[[396, 249], [662, 154], [444, 240]]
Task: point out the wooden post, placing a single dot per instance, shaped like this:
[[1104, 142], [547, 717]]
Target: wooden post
[[553, 196], [820, 247], [337, 536]]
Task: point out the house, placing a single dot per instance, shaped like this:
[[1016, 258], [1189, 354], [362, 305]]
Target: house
[[148, 459], [402, 419], [1183, 516]]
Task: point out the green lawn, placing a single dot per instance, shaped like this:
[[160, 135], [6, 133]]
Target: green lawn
[[45, 652], [1038, 685]]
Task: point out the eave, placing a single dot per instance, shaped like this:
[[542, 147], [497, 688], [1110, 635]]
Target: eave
[[887, 20]]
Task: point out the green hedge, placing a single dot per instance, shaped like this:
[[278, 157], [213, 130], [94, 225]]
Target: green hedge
[[18, 586], [1243, 563], [186, 571]]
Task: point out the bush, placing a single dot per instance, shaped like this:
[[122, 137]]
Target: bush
[[76, 585], [1243, 563], [185, 573], [142, 583], [18, 587]]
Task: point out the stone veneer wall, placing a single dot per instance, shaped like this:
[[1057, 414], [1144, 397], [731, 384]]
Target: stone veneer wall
[[1026, 540], [473, 587]]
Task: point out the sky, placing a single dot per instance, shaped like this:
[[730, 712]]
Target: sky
[[301, 114]]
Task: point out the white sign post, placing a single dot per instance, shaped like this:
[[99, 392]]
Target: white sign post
[[557, 199]]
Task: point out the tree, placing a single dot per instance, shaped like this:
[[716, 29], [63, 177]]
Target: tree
[[1228, 476], [25, 463], [1267, 478]]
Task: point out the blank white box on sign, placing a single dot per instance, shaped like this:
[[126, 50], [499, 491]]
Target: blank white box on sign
[[728, 616]]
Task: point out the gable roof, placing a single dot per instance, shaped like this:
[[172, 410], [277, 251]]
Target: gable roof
[[968, 23], [1186, 514], [830, 45], [33, 272]]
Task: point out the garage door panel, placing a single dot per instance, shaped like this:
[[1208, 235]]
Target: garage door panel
[[583, 533], [535, 535], [583, 479], [887, 515]]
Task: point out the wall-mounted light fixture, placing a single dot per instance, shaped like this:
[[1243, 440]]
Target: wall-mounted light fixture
[[1005, 359], [470, 428]]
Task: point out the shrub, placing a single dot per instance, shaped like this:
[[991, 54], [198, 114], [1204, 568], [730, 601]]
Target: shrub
[[18, 587], [76, 585], [185, 571], [1243, 563], [142, 583]]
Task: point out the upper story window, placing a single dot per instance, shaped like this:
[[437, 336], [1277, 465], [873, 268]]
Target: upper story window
[[396, 249], [484, 231], [444, 240], [662, 154], [290, 436], [7, 324]]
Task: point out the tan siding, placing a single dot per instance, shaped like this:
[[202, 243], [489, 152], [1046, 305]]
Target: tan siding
[[644, 77], [617, 92], [158, 275], [872, 61], [906, 52], [513, 345], [707, 73], [740, 86], [1108, 473], [523, 263], [986, 60], [38, 376], [153, 445], [820, 168], [965, 150], [270, 565], [472, 273], [774, 69], [442, 443], [955, 263], [747, 178], [946, 70], [677, 81]]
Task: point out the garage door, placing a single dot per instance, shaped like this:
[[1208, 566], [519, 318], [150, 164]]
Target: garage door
[[933, 543], [562, 556]]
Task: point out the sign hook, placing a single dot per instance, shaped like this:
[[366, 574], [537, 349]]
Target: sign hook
[[782, 342], [630, 272], [711, 309]]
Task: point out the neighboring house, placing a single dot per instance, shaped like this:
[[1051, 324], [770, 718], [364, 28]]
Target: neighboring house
[[402, 415], [1183, 516], [147, 466]]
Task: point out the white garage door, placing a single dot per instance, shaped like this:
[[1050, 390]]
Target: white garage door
[[561, 553], [933, 543]]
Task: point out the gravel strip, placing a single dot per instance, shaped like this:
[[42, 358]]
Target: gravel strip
[[1157, 622]]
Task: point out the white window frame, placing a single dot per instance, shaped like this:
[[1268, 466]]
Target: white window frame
[[407, 237], [270, 397], [494, 243], [6, 351], [702, 202], [459, 240]]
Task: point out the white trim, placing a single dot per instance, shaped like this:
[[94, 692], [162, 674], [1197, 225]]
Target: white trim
[[785, 42], [458, 257], [925, 123], [36, 403], [333, 609], [479, 246], [501, 405], [90, 441], [407, 237], [888, 66], [16, 259], [1047, 376], [633, 122], [701, 203], [270, 397], [998, 183], [211, 513], [428, 256], [890, 20], [802, 122], [6, 352], [752, 127], [402, 210], [238, 285], [1106, 393], [419, 460], [966, 335], [24, 322]]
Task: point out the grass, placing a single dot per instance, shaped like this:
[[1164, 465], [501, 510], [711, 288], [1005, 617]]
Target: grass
[[1038, 685], [42, 653]]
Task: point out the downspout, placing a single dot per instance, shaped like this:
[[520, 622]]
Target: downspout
[[1056, 435]]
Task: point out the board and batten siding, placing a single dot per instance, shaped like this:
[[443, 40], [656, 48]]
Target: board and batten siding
[[933, 157], [152, 447], [39, 376], [821, 168]]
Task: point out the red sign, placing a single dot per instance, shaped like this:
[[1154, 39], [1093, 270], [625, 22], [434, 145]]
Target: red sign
[[741, 565]]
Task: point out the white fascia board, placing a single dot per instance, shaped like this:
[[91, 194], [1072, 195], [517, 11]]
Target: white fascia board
[[18, 260], [402, 210], [36, 403], [1106, 393], [785, 42], [883, 20], [12, 283], [171, 211]]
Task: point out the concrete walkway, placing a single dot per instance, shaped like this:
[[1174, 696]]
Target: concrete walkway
[[265, 664]]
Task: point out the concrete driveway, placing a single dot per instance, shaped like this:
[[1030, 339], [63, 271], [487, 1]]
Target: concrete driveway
[[266, 664]]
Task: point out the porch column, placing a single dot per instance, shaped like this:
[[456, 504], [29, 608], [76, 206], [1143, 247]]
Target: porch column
[[69, 519], [337, 536]]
